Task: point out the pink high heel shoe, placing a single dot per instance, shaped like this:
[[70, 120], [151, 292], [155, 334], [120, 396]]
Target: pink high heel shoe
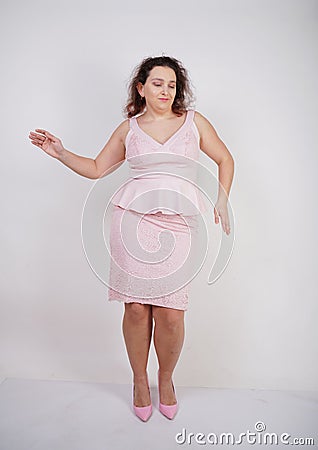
[[168, 410], [143, 412]]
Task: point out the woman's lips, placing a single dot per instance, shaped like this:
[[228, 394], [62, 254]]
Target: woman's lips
[[164, 99]]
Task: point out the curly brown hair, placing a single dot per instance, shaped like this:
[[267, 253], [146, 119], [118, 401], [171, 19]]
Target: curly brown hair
[[184, 96]]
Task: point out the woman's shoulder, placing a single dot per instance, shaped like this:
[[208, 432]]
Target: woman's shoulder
[[198, 116], [122, 129], [201, 122]]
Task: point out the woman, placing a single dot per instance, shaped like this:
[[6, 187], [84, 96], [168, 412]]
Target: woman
[[158, 120]]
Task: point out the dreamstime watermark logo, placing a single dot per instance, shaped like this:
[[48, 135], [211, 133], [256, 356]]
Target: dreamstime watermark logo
[[145, 183], [260, 437]]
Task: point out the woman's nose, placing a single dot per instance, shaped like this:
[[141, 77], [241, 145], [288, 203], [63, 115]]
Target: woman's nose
[[164, 89]]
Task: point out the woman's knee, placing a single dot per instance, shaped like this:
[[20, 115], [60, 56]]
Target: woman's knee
[[137, 312], [169, 318]]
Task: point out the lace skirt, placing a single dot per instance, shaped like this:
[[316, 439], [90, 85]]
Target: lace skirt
[[151, 257]]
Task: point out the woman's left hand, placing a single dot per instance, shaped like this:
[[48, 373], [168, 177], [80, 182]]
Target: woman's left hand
[[220, 210]]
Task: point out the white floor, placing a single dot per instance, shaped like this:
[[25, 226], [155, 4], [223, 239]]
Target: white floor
[[62, 415]]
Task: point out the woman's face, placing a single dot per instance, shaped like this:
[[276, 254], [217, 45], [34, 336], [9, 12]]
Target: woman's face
[[159, 89]]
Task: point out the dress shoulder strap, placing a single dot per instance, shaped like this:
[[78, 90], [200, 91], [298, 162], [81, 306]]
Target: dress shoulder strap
[[191, 114], [133, 123]]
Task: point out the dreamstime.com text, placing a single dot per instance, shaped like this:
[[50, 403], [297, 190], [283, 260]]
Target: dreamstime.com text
[[258, 437]]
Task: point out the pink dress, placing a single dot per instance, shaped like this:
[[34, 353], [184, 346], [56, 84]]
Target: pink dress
[[155, 219]]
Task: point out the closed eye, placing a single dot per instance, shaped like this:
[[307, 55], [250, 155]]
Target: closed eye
[[156, 84]]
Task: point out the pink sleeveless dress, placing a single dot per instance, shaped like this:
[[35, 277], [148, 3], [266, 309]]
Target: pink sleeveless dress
[[154, 219]]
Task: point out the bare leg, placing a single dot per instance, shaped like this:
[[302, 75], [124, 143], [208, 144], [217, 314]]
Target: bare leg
[[137, 331], [168, 341]]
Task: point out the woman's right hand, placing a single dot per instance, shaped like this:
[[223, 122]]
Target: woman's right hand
[[47, 142]]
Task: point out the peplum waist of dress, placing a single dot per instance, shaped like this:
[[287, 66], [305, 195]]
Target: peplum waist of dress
[[158, 182]]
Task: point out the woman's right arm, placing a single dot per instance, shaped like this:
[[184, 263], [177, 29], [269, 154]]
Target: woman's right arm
[[112, 153]]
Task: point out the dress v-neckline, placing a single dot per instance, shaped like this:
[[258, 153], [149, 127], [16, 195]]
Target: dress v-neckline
[[170, 138]]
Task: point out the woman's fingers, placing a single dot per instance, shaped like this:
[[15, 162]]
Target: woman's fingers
[[224, 220], [37, 138], [38, 144], [46, 141], [36, 135], [46, 133], [216, 216], [39, 130], [226, 225]]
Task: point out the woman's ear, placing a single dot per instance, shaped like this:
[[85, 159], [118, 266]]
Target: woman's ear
[[140, 88]]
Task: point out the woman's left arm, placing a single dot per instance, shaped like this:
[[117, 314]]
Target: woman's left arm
[[212, 145]]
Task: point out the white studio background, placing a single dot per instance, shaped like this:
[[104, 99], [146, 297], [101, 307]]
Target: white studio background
[[65, 65]]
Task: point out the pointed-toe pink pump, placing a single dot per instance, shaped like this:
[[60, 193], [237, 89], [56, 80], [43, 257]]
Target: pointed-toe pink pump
[[143, 412], [168, 411]]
